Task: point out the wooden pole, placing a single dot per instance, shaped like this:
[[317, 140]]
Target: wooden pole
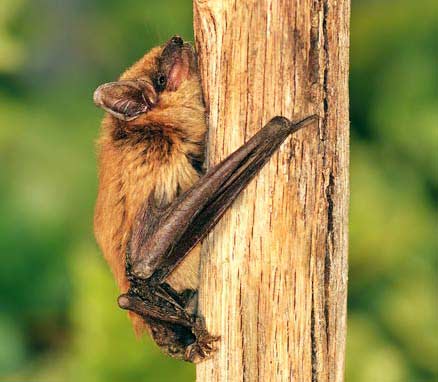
[[274, 271]]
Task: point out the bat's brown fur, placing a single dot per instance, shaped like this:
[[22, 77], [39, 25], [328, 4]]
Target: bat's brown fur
[[148, 154]]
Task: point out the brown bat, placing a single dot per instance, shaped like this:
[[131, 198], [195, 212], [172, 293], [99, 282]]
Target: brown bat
[[155, 204]]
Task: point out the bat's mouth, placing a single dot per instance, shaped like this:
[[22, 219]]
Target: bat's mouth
[[126, 100]]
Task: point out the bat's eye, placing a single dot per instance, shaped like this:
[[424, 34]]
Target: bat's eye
[[160, 82]]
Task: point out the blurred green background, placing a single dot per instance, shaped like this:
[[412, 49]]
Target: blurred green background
[[58, 320]]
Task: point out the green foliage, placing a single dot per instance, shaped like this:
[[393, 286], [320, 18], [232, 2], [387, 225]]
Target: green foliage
[[58, 319], [11, 50], [394, 184]]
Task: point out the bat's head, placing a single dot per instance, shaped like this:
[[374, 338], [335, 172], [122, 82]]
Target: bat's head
[[162, 85]]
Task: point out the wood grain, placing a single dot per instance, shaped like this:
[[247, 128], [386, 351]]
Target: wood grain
[[274, 271]]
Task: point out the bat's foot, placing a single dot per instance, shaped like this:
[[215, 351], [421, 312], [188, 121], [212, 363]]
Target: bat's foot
[[203, 347]]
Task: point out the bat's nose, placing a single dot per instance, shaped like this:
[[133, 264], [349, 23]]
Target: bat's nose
[[177, 40]]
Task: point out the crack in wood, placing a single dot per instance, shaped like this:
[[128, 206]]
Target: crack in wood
[[329, 248], [314, 355]]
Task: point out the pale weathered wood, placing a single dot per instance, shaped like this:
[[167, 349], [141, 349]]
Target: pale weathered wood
[[274, 271]]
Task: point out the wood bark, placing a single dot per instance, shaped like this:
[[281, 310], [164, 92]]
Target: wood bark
[[274, 270]]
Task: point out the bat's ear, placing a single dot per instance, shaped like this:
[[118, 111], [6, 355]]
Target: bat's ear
[[126, 100], [177, 61], [180, 71]]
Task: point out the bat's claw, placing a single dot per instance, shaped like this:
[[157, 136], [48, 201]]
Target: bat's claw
[[204, 346]]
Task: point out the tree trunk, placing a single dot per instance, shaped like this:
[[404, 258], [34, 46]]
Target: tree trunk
[[274, 271]]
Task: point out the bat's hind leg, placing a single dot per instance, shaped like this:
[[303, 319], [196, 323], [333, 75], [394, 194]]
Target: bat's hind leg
[[175, 328], [203, 346]]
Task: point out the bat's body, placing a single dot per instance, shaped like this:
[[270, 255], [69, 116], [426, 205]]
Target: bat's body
[[164, 159], [154, 203]]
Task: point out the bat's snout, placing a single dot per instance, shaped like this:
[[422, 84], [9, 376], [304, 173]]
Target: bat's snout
[[176, 40]]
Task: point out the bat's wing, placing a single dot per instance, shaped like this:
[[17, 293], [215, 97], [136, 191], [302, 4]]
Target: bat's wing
[[162, 237]]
